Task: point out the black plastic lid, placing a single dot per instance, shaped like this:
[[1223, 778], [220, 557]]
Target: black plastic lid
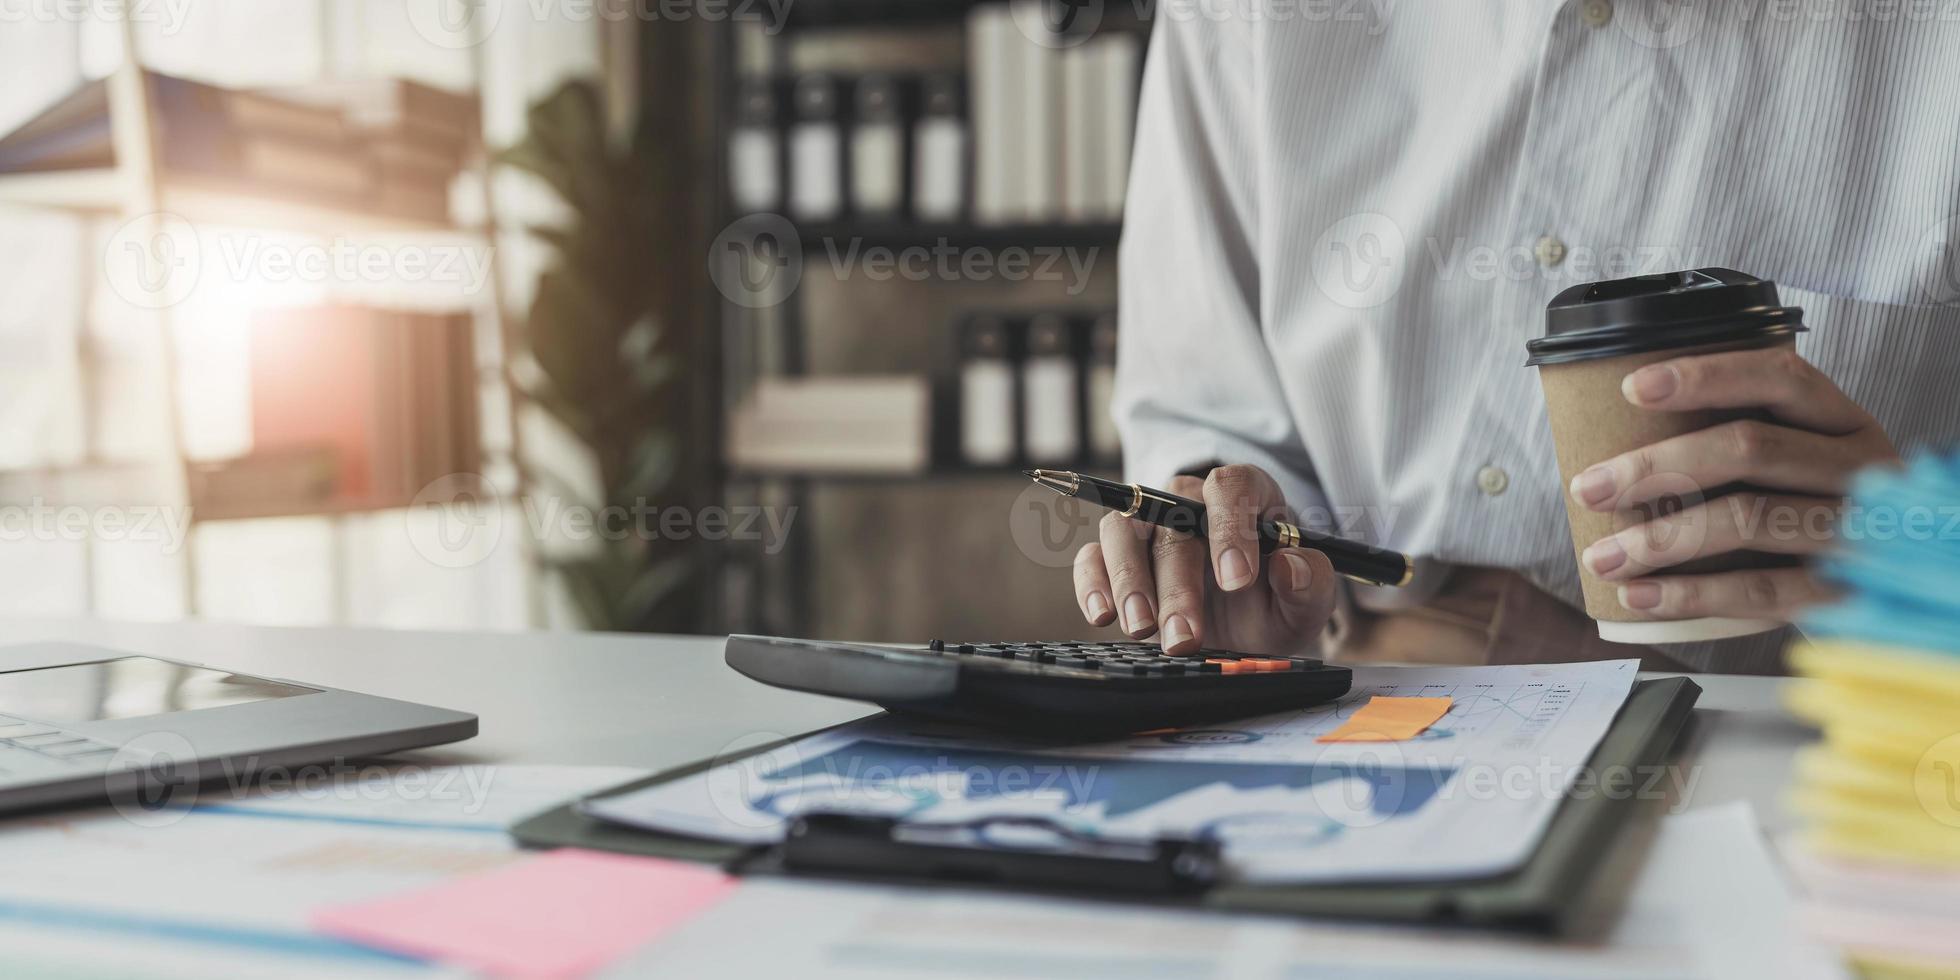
[[1694, 308]]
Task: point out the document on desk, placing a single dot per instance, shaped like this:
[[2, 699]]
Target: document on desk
[[234, 879], [1705, 903], [1470, 796]]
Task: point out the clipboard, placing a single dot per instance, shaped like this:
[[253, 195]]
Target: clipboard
[[1546, 895]]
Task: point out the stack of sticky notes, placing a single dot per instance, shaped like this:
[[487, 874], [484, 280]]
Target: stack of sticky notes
[[1879, 797]]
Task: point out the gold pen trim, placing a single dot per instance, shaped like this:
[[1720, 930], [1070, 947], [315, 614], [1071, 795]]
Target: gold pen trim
[[1289, 536], [1136, 501], [1408, 573]]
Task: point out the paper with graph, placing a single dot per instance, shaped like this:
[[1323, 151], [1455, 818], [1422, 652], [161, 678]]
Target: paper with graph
[[1469, 796]]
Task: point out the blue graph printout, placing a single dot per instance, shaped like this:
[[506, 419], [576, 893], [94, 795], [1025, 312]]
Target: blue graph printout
[[1470, 796]]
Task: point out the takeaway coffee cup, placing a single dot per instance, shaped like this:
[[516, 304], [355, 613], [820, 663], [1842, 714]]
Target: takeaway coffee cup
[[1595, 335]]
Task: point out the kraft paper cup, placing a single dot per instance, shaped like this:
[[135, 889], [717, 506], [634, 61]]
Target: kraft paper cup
[[1596, 335]]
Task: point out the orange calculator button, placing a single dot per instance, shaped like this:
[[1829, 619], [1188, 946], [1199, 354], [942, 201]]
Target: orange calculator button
[[1232, 666]]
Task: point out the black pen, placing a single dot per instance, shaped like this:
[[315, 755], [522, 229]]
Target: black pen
[[1360, 562]]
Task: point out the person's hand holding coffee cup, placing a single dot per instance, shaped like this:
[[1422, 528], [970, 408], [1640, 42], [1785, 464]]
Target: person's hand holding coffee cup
[[1798, 458], [1703, 458]]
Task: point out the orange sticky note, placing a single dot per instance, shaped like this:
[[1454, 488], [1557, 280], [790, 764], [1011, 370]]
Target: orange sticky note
[[1389, 720]]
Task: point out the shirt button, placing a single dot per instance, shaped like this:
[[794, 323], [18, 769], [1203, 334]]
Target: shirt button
[[1550, 251], [1493, 481], [1596, 13]]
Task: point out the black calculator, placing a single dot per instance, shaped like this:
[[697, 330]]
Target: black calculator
[[1061, 688]]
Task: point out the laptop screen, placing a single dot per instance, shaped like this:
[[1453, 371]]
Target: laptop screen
[[129, 687]]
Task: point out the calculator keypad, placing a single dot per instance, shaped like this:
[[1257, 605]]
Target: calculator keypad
[[1127, 659]]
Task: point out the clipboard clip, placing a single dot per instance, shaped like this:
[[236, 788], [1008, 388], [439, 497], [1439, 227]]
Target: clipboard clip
[[1006, 850]]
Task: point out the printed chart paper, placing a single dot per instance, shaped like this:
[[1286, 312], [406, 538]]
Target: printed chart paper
[[1469, 796], [1707, 902], [1390, 720]]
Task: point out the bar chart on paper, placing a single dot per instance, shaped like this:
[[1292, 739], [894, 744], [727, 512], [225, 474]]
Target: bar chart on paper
[[1493, 709], [1282, 805]]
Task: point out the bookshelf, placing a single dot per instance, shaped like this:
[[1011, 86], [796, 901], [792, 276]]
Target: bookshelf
[[790, 328], [141, 188], [816, 14], [104, 192], [964, 236]]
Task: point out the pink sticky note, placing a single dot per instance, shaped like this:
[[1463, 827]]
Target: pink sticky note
[[561, 914]]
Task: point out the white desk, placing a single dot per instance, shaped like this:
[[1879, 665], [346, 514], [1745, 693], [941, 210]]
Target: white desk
[[659, 702]]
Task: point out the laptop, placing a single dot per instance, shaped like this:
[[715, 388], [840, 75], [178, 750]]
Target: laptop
[[82, 723]]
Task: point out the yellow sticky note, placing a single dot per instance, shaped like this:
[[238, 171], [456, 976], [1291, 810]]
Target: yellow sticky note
[[1389, 720]]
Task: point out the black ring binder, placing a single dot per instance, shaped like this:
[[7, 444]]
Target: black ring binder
[[843, 843]]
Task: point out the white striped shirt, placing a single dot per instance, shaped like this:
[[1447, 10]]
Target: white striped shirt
[[1345, 220]]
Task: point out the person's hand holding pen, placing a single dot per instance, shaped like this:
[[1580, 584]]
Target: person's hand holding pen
[[1214, 591]]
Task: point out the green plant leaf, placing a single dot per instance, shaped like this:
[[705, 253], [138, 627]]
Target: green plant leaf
[[603, 370]]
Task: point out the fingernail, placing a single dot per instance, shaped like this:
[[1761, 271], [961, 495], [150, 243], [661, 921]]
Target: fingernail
[[1137, 617], [1177, 631], [1594, 486], [1233, 570], [1098, 609], [1650, 384], [1299, 573], [1640, 595], [1605, 555]]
